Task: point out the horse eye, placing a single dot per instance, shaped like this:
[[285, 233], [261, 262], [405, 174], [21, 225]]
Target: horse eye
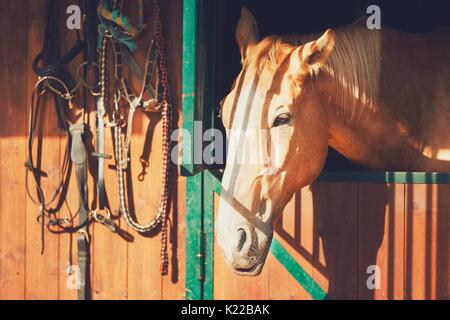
[[281, 119]]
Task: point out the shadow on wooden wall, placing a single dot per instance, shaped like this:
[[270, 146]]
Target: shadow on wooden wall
[[339, 230]]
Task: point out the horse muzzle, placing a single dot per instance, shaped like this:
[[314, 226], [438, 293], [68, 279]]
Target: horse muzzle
[[250, 252], [244, 247]]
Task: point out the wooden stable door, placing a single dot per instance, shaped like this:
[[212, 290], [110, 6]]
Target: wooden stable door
[[351, 235], [352, 241]]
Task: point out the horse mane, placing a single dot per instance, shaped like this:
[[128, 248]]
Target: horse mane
[[353, 67]]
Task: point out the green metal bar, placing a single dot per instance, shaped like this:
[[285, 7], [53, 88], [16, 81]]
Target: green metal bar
[[188, 86], [386, 177], [194, 183], [210, 185], [214, 179], [194, 187], [196, 96], [201, 256], [299, 274]]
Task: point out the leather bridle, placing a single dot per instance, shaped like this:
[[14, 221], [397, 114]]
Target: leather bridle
[[56, 80], [157, 101]]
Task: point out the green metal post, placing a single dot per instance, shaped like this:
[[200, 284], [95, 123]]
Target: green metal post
[[189, 78], [197, 101], [194, 281], [194, 182], [211, 187]]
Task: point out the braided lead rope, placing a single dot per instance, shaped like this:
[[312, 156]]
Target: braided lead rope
[[134, 102], [102, 96], [122, 157], [167, 121]]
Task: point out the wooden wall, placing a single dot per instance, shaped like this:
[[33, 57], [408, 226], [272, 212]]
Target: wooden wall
[[120, 269], [336, 230]]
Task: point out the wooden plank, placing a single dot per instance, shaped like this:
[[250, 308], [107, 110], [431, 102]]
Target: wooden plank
[[415, 246], [425, 206], [174, 283], [229, 286], [68, 251], [42, 271], [442, 277], [294, 230], [13, 128], [381, 240], [336, 238]]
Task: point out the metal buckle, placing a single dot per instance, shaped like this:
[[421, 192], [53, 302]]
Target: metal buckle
[[85, 234], [83, 82], [145, 164], [58, 222], [103, 216]]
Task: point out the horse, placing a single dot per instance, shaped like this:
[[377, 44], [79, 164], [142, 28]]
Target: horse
[[381, 98]]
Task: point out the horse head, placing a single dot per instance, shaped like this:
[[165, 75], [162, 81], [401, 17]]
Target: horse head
[[277, 139]]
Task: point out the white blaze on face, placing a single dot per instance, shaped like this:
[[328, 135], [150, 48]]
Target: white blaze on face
[[255, 151], [254, 148], [226, 235], [245, 138], [246, 157]]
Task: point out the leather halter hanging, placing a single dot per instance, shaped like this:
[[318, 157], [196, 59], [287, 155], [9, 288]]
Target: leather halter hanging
[[54, 78]]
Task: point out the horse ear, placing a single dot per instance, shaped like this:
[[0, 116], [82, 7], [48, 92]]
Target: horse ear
[[309, 58], [246, 32]]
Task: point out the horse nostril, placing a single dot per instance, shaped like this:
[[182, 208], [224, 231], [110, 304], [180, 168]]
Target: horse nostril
[[242, 239]]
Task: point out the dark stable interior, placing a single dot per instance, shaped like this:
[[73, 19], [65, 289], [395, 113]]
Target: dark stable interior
[[302, 17]]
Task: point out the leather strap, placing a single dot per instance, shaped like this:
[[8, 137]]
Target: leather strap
[[100, 153], [53, 63], [100, 130], [129, 59], [78, 156], [54, 68], [135, 101], [32, 166]]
